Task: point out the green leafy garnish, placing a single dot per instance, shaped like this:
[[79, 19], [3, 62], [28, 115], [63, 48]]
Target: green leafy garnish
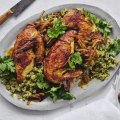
[[52, 92], [62, 94], [58, 92], [92, 17], [7, 67], [57, 29], [75, 59], [41, 83], [103, 26], [85, 12], [115, 48]]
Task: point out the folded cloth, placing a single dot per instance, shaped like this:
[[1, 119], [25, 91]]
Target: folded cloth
[[103, 109], [99, 110]]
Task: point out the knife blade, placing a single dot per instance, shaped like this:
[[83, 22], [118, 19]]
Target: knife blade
[[15, 10], [20, 6]]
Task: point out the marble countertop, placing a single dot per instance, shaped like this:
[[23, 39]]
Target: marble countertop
[[11, 112]]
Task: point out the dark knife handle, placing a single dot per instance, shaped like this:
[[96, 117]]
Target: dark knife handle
[[5, 16]]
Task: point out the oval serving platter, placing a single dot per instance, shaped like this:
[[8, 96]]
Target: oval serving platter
[[94, 85]]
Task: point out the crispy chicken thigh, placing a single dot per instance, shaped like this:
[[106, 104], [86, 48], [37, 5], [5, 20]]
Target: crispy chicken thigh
[[39, 49], [57, 58], [88, 36], [23, 53], [69, 78], [72, 18], [75, 19]]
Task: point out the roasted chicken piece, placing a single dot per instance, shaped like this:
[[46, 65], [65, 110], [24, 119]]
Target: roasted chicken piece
[[24, 54], [88, 36], [75, 19], [72, 18], [39, 49], [69, 78], [57, 58]]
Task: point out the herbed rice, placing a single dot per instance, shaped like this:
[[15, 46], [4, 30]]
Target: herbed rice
[[99, 68]]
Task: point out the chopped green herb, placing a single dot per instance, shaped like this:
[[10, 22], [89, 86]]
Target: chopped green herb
[[92, 17], [58, 92], [41, 83], [103, 26], [85, 12], [62, 94], [115, 48], [52, 92], [75, 59], [57, 29], [7, 67]]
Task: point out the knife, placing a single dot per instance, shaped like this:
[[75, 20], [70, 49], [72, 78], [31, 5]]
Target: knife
[[15, 10]]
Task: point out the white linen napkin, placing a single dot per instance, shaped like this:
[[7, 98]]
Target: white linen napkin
[[103, 109], [99, 110]]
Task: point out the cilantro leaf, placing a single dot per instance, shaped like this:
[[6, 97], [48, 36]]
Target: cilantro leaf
[[58, 92], [85, 12], [62, 94], [115, 48], [7, 67], [3, 66], [75, 59], [57, 29], [41, 83], [93, 18], [104, 27], [52, 92], [71, 65]]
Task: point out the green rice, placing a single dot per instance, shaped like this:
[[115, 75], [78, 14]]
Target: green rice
[[100, 65], [98, 68], [25, 89]]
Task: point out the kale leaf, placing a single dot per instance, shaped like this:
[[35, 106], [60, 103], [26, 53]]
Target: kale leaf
[[57, 29], [75, 59], [115, 48], [7, 67], [41, 83]]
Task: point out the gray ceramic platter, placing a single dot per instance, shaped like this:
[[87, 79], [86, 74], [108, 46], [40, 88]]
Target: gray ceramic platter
[[81, 94]]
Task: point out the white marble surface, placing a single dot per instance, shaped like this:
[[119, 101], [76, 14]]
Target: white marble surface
[[11, 112]]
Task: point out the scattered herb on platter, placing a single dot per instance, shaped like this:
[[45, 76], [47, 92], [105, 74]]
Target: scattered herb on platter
[[58, 92], [103, 26], [55, 92], [115, 48], [41, 83], [75, 59], [7, 67], [57, 29]]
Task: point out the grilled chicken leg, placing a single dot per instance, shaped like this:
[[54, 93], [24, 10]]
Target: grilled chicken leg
[[23, 53], [88, 36], [55, 62]]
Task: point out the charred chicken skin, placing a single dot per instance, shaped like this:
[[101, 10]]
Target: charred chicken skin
[[24, 54], [88, 36], [57, 58]]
